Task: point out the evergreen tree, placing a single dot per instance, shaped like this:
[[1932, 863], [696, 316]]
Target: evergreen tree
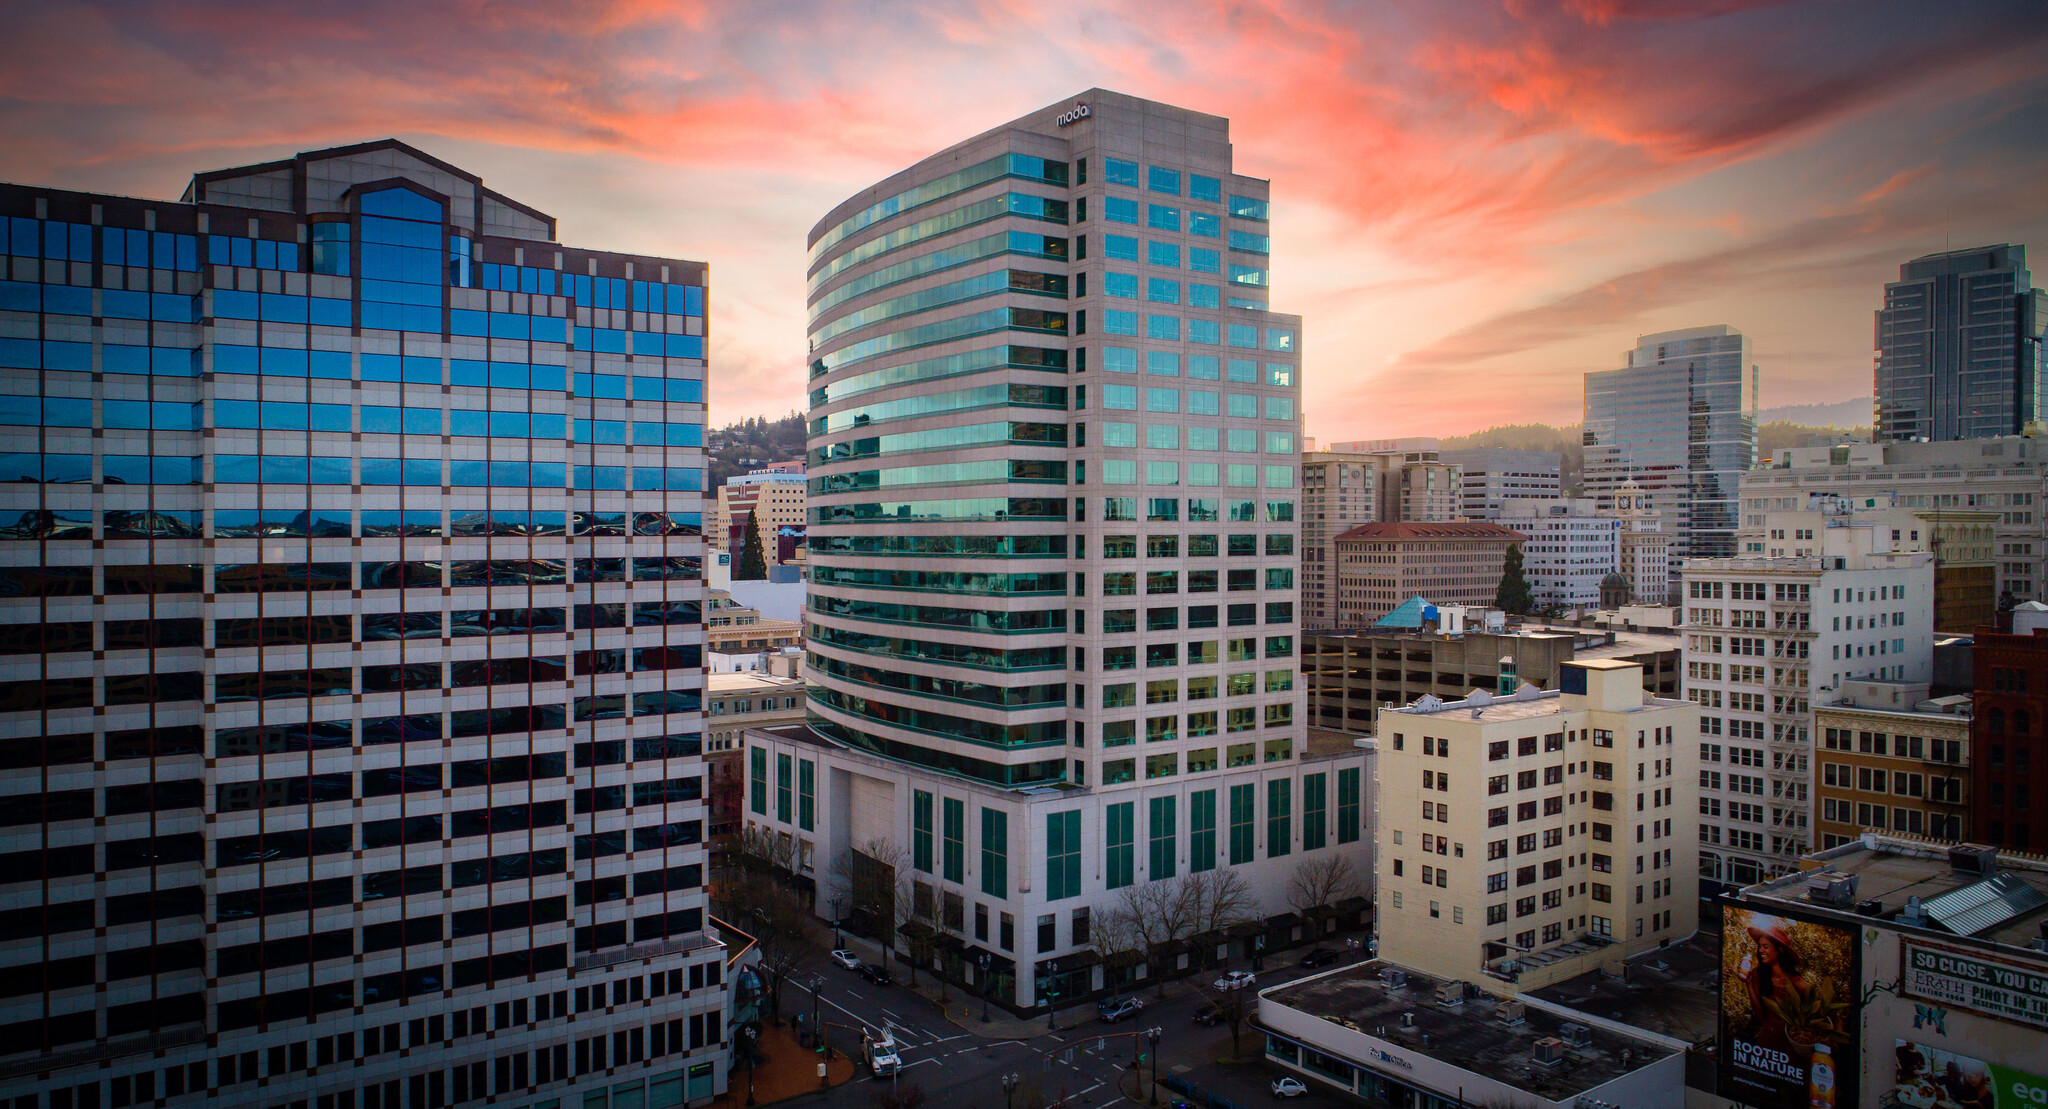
[[1513, 597], [754, 565]]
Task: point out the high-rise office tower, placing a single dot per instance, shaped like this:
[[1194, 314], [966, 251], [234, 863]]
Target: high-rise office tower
[[1054, 444], [1959, 346], [1495, 478], [1679, 420], [350, 541]]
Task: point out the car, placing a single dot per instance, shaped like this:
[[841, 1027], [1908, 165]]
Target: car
[[846, 959], [1113, 1009], [1289, 1087], [1320, 957], [1236, 980], [875, 974], [1209, 1014]]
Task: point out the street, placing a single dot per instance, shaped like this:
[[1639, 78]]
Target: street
[[1085, 1061]]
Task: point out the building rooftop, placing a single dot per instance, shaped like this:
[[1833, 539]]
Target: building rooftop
[[1673, 991], [1527, 703], [748, 680], [1890, 869], [1469, 1034], [1323, 742], [1463, 530]]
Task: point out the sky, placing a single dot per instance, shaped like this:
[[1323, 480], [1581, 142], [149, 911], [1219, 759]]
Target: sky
[[1473, 203]]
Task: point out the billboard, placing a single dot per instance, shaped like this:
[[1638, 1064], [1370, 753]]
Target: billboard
[[1931, 1078], [1970, 980], [1788, 1011]]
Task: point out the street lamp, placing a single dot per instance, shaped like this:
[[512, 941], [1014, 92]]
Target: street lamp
[[983, 962], [1051, 1014], [817, 1029], [1152, 1036], [1009, 1089]]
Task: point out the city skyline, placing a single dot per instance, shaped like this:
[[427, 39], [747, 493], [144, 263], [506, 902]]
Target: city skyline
[[1485, 204]]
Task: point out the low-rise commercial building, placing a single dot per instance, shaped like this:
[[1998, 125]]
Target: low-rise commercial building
[[776, 494], [1381, 565], [1530, 838], [1398, 1037], [731, 628], [1351, 676], [1377, 481], [1888, 972], [1890, 758], [1961, 540]]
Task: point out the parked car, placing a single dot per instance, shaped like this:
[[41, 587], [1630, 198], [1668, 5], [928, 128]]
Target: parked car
[[1113, 1009], [1289, 1087], [846, 959], [874, 973], [1320, 957], [1209, 1014], [1236, 980]]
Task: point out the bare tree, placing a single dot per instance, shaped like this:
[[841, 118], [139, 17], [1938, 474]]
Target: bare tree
[[1161, 913], [1321, 881], [1218, 899], [758, 849], [1116, 933], [869, 875], [782, 926], [1234, 1008]]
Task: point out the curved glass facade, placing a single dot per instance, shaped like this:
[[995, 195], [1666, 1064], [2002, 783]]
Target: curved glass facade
[[913, 288]]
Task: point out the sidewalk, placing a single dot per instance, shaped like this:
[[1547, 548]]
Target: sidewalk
[[963, 1007], [790, 1070]]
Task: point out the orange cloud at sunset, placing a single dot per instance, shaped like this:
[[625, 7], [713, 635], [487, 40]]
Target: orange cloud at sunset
[[1474, 203]]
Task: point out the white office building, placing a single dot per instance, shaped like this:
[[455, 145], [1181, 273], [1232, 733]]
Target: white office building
[[1055, 445], [1572, 546], [1765, 640]]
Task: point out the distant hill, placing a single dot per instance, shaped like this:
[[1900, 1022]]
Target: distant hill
[[1851, 413], [752, 443], [1528, 437], [1773, 435]]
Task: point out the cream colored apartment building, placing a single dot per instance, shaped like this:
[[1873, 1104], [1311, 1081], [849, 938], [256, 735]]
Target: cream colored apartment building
[[1525, 840]]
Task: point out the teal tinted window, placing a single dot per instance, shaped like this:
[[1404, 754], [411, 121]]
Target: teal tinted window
[[1245, 207], [1247, 275], [1062, 855], [1314, 810], [1160, 825], [1206, 224], [1201, 831], [921, 830], [1205, 261], [1117, 171], [1348, 806], [1123, 247], [1242, 832], [1162, 217], [1162, 363], [1159, 179], [955, 840], [1122, 360], [1162, 327], [1119, 322], [1120, 284], [1119, 845], [1160, 290], [758, 780], [1279, 818], [1163, 254], [1205, 188], [995, 852], [1119, 209], [1203, 366]]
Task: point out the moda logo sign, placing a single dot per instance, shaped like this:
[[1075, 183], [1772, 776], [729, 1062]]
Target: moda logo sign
[[1076, 115]]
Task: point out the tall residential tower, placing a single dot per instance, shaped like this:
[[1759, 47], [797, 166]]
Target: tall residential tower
[[350, 573], [1055, 439]]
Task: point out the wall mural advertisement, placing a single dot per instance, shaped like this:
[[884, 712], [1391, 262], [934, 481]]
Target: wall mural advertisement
[[1930, 1078], [1788, 1001]]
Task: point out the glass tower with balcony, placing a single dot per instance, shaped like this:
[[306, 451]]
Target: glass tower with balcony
[[351, 655]]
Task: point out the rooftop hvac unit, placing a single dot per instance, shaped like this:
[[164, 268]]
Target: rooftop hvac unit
[[1973, 859], [1511, 1012], [1826, 887], [1577, 1035], [1394, 978], [1548, 1051], [1408, 1020], [1450, 993]]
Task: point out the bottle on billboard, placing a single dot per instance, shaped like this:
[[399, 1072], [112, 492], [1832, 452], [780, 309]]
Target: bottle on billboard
[[1820, 1080]]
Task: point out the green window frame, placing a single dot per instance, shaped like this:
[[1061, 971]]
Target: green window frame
[[1201, 831], [1347, 805], [1279, 817], [921, 830], [807, 795], [1243, 810], [783, 776], [1062, 855], [1315, 799], [955, 832], [995, 852], [1161, 829], [1117, 841], [759, 758]]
